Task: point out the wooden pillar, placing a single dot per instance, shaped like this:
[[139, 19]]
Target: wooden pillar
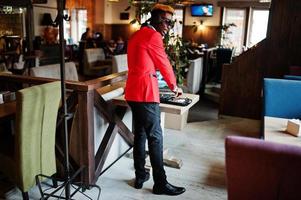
[[86, 134]]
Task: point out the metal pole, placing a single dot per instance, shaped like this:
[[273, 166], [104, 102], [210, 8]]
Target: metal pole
[[63, 91]]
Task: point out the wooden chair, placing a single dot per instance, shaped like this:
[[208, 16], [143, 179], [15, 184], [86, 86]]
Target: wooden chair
[[32, 150]]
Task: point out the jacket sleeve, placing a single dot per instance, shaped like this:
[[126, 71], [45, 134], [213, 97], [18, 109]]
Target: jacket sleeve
[[161, 62]]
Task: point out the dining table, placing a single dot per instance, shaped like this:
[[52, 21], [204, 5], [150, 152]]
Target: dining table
[[275, 131]]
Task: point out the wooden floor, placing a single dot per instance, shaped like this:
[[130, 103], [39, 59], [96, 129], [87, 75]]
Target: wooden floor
[[201, 147]]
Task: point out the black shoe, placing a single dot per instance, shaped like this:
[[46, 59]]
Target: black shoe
[[139, 181], [168, 189]]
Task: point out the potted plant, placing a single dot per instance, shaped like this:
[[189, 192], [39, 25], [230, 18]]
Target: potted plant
[[223, 35], [176, 51], [142, 8]]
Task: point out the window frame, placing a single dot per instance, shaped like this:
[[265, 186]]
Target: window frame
[[248, 7], [75, 32], [251, 13], [245, 23]]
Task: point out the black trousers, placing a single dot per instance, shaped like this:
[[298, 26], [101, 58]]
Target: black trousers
[[146, 118]]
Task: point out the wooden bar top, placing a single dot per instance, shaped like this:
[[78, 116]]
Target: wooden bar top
[[167, 108], [275, 131]]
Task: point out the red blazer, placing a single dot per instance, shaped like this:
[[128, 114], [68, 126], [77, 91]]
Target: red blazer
[[146, 54]]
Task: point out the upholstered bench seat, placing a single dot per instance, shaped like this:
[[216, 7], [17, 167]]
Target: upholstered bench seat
[[53, 71]]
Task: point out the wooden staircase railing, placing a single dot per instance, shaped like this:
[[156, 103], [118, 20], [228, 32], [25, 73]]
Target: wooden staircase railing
[[85, 95]]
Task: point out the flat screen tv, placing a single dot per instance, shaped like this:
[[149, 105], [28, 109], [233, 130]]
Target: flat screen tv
[[202, 10]]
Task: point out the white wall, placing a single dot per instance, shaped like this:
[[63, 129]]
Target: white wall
[[113, 10], [38, 11]]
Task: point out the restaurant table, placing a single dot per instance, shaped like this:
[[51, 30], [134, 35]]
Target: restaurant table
[[175, 116], [275, 131]]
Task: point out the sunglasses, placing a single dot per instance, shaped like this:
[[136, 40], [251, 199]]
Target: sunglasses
[[168, 22]]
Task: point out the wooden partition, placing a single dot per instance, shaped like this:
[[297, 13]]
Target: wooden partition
[[85, 97], [242, 83], [242, 80]]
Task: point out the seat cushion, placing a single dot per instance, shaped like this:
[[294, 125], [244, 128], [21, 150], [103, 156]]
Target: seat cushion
[[53, 71]]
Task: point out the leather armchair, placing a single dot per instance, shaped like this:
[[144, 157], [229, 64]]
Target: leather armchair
[[262, 170]]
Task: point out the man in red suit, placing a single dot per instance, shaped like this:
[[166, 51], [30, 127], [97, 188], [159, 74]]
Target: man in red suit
[[146, 54]]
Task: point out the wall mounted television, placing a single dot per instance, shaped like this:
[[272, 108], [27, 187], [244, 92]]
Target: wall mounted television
[[201, 10]]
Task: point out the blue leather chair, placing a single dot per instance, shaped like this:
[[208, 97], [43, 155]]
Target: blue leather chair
[[282, 98]]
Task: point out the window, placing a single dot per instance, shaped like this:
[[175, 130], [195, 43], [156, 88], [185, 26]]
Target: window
[[82, 19], [178, 27], [67, 29], [251, 27], [258, 26], [235, 36], [145, 17], [77, 25]]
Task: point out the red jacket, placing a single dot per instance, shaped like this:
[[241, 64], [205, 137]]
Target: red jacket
[[146, 54]]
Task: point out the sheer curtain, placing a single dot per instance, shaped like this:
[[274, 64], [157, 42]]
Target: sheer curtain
[[82, 16]]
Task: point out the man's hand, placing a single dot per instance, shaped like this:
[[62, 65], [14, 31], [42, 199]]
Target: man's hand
[[178, 91]]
